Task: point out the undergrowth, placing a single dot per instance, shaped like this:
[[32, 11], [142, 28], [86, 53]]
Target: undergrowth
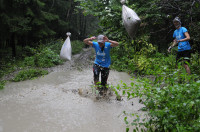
[[40, 56], [29, 74], [171, 96]]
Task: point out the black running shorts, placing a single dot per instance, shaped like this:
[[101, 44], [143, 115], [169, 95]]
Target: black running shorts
[[183, 55], [104, 73]]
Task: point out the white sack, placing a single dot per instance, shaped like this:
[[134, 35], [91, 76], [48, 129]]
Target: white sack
[[131, 21], [66, 50]]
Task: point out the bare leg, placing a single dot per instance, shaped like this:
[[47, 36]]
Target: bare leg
[[104, 78], [187, 69], [96, 71]]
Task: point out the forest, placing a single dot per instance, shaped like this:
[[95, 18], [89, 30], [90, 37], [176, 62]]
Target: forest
[[33, 31]]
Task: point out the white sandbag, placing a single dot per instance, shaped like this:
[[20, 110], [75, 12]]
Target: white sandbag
[[66, 50], [131, 21]]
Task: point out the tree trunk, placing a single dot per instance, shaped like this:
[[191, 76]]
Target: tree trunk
[[13, 45], [85, 26]]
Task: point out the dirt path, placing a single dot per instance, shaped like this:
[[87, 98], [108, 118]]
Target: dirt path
[[54, 103]]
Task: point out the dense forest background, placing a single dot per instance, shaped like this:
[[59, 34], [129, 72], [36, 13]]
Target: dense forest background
[[26, 22]]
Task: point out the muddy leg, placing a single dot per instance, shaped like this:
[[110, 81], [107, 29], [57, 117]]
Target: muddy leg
[[104, 78], [96, 71]]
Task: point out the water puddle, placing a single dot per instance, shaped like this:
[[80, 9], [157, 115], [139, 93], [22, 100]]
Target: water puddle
[[54, 103]]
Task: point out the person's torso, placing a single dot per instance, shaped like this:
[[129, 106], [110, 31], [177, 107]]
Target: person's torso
[[179, 34], [102, 56]]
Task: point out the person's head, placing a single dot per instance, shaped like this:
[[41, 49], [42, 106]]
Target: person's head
[[100, 40], [177, 22]]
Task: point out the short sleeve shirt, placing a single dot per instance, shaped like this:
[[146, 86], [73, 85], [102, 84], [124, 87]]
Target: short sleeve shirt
[[179, 34], [102, 57]]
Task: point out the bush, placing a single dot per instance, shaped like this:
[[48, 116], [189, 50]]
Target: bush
[[172, 101], [44, 57], [77, 46], [47, 58], [195, 63], [9, 65], [2, 84], [56, 46], [29, 74], [29, 61], [171, 96]]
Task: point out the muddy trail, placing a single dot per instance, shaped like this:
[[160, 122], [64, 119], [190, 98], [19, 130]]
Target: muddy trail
[[65, 101]]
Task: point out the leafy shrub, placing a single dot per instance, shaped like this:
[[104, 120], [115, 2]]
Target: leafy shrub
[[47, 58], [2, 84], [29, 51], [172, 101], [133, 56], [56, 46], [195, 63], [77, 46], [29, 74], [44, 57], [9, 65], [29, 61]]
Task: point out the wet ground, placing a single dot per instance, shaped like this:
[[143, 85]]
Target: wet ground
[[64, 101]]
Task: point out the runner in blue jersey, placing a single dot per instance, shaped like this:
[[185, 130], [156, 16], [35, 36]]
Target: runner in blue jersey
[[102, 61], [182, 38]]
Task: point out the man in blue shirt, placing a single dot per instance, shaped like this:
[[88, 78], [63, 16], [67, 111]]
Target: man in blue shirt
[[182, 38], [102, 61]]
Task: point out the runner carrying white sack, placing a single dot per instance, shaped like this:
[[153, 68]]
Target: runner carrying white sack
[[131, 21], [66, 50]]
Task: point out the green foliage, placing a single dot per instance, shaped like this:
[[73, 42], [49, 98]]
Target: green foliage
[[55, 45], [134, 56], [41, 56], [171, 96], [156, 16], [9, 65], [142, 57], [44, 57], [195, 63], [172, 101], [77, 46], [2, 84], [29, 74], [26, 22], [109, 14]]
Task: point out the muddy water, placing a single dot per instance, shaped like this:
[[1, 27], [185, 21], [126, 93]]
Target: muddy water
[[54, 103]]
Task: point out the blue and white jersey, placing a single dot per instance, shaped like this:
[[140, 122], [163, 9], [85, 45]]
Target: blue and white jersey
[[179, 34], [102, 57]]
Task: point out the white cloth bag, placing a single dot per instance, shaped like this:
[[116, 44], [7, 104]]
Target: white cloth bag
[[66, 50], [131, 21]]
